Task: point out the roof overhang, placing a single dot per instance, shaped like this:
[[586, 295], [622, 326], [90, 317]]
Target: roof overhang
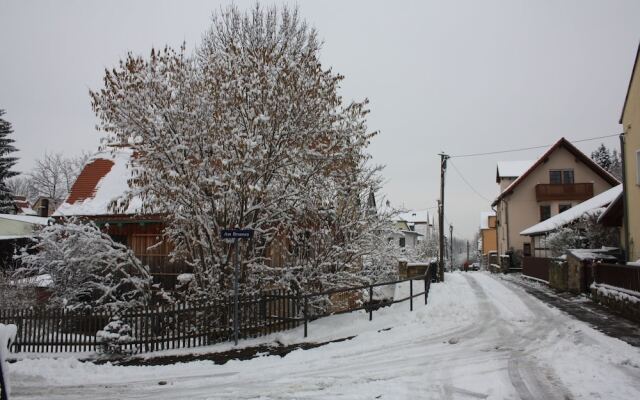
[[614, 213], [626, 98]]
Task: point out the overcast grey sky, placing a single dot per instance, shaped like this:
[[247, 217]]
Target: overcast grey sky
[[453, 76]]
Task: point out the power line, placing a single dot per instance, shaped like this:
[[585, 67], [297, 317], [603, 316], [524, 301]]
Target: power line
[[469, 184], [529, 148]]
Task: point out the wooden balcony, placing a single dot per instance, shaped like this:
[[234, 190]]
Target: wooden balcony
[[564, 191]]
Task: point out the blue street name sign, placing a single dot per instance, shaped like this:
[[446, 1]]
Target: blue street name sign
[[236, 233]]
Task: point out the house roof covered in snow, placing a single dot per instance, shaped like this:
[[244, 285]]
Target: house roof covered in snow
[[29, 219], [418, 216], [607, 177], [484, 218], [614, 213], [593, 205], [103, 179], [23, 206], [512, 169]]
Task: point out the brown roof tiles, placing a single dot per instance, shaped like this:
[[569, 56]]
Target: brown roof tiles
[[85, 185]]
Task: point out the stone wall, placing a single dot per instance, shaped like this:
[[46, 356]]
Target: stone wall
[[558, 275], [619, 300], [505, 263], [575, 270]]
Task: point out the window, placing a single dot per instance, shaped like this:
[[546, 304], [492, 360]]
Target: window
[[526, 250], [402, 242], [558, 176], [122, 239], [545, 212], [563, 207], [567, 176]]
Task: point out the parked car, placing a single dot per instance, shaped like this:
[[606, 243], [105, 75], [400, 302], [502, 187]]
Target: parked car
[[475, 266]]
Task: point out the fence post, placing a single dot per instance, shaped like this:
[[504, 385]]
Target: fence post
[[426, 289], [304, 311], [370, 302], [410, 294]]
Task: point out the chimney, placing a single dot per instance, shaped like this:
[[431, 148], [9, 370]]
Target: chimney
[[44, 208]]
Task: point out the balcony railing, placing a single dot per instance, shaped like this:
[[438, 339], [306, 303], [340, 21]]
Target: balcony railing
[[564, 191]]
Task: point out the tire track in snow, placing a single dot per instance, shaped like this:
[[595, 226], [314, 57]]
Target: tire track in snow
[[525, 374], [494, 344]]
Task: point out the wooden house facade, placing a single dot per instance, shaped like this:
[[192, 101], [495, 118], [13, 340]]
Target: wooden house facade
[[104, 179]]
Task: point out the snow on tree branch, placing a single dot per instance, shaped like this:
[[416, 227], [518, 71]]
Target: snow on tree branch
[[248, 132], [88, 270]]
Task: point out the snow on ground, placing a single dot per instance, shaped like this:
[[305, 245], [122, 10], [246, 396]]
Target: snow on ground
[[478, 338]]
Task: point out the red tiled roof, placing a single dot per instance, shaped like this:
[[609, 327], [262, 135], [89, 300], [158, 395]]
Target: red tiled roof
[[85, 185], [21, 202]]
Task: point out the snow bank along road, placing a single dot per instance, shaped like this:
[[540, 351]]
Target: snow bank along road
[[478, 338]]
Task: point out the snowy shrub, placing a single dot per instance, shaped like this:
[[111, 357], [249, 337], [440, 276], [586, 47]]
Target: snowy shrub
[[584, 233], [114, 337], [248, 132], [381, 264], [428, 249], [88, 270]]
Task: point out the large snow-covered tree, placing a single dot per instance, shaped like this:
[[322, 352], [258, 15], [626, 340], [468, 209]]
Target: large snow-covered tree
[[6, 163], [248, 132], [86, 268]]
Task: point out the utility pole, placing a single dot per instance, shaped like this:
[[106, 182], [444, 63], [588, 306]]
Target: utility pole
[[467, 251], [451, 247], [443, 168]]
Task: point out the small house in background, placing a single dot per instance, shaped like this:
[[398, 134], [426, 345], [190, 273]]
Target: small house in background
[[45, 206], [488, 238], [104, 179], [22, 206], [419, 221], [560, 179], [404, 236]]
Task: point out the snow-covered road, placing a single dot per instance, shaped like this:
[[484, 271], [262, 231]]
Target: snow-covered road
[[479, 337]]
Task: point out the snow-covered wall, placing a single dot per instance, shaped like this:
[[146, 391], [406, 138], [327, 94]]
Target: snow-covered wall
[[626, 302]]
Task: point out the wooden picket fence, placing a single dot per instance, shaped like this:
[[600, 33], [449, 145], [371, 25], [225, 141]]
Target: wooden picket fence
[[180, 325], [185, 325]]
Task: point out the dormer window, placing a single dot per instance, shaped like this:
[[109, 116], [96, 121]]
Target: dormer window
[[561, 176]]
